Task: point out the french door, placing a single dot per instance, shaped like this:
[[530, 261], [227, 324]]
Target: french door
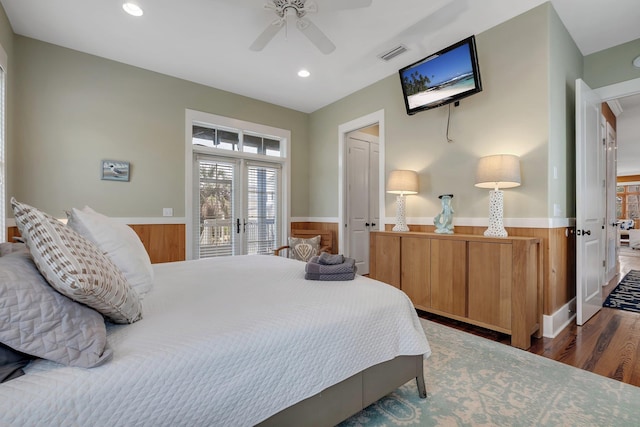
[[237, 203]]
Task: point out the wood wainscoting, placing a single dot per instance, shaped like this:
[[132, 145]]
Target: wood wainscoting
[[328, 226], [558, 259], [163, 242]]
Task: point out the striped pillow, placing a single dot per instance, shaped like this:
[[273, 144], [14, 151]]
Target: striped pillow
[[75, 267]]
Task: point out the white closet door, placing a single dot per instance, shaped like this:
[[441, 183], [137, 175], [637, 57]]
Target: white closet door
[[362, 196]]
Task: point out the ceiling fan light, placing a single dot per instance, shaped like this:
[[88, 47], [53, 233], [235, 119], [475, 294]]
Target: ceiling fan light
[[304, 73], [636, 62], [132, 8]]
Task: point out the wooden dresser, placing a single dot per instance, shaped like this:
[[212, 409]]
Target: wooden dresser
[[492, 282]]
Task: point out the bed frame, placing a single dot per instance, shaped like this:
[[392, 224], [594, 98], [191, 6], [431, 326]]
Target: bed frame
[[342, 400]]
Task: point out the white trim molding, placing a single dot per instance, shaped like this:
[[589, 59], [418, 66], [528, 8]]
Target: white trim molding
[[553, 324], [11, 222], [508, 222], [331, 219]]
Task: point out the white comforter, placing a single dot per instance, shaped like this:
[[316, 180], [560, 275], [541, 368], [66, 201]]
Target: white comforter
[[223, 342]]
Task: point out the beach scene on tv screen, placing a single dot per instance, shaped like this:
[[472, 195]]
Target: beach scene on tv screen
[[439, 77]]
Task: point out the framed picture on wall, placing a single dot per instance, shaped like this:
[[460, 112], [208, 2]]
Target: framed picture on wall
[[115, 170]]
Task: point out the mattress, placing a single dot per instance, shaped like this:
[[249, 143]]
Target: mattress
[[223, 342]]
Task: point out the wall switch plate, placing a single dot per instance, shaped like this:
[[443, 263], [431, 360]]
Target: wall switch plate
[[167, 211]]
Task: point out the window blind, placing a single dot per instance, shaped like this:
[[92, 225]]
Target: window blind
[[217, 210], [263, 201]]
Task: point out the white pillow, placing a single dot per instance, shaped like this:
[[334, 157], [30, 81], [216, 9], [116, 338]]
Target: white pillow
[[119, 242]]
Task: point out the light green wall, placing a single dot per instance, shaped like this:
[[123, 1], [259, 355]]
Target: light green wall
[[73, 109], [510, 115], [612, 65], [565, 66]]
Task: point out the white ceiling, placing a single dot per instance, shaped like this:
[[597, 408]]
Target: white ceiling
[[207, 41]]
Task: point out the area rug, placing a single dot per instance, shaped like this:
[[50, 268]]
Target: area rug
[[472, 381], [626, 296]]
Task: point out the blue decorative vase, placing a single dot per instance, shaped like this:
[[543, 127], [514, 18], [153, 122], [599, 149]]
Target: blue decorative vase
[[444, 220]]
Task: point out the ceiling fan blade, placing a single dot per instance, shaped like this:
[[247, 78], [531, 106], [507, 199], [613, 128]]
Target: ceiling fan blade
[[266, 36], [316, 36]]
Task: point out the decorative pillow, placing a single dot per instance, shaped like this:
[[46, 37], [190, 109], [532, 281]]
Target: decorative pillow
[[303, 249], [11, 363], [75, 267], [119, 242], [37, 320]]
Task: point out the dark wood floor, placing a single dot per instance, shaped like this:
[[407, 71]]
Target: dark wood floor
[[608, 344]]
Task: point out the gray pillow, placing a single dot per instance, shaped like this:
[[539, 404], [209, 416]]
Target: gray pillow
[[303, 249], [35, 319]]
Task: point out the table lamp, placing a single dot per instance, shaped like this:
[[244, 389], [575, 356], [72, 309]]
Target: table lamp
[[496, 172], [402, 182]]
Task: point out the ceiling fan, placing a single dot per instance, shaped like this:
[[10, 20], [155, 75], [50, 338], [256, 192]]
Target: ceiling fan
[[298, 10]]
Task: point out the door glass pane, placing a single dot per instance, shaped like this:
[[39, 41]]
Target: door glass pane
[[261, 230], [216, 208]]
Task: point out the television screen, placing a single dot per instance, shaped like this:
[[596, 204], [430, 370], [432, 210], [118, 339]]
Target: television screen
[[441, 78]]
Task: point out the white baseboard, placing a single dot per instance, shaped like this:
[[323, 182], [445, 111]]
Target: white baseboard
[[555, 323]]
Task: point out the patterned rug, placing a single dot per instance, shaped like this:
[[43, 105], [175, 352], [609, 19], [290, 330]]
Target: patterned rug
[[472, 381], [626, 296]]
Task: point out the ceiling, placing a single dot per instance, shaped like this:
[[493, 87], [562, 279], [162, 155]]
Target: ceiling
[[207, 41]]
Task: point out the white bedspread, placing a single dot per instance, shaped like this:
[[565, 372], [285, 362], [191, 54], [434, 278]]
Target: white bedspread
[[223, 342]]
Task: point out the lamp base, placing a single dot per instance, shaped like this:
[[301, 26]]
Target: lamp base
[[401, 223], [496, 215]]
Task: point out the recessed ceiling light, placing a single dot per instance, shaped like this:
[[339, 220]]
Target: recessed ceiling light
[[304, 73], [636, 62], [132, 8]]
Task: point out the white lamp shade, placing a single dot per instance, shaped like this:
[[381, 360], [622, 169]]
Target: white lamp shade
[[402, 182], [498, 171]]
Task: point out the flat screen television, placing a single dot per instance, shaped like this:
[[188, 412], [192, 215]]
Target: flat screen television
[[444, 77]]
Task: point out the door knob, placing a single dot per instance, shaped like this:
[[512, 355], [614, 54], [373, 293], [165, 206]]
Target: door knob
[[366, 224]]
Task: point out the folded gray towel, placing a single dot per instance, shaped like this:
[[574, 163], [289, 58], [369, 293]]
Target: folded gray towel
[[330, 277], [329, 259], [313, 267]]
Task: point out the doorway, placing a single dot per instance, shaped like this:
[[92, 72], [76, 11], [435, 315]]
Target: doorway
[[356, 244], [603, 94], [362, 204]]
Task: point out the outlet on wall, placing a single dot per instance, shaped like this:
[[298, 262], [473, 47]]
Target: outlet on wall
[[167, 211]]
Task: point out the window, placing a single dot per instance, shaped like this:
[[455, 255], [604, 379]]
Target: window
[[238, 187], [3, 132], [628, 202]]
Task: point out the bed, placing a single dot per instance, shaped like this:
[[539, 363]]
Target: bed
[[234, 341]]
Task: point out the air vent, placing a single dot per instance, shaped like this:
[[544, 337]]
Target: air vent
[[389, 55]]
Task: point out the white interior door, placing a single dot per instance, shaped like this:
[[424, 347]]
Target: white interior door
[[612, 232], [590, 203], [374, 186], [362, 196]]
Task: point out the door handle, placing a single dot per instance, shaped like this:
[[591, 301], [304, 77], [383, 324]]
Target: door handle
[[366, 224], [373, 224], [583, 232], [238, 225]]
